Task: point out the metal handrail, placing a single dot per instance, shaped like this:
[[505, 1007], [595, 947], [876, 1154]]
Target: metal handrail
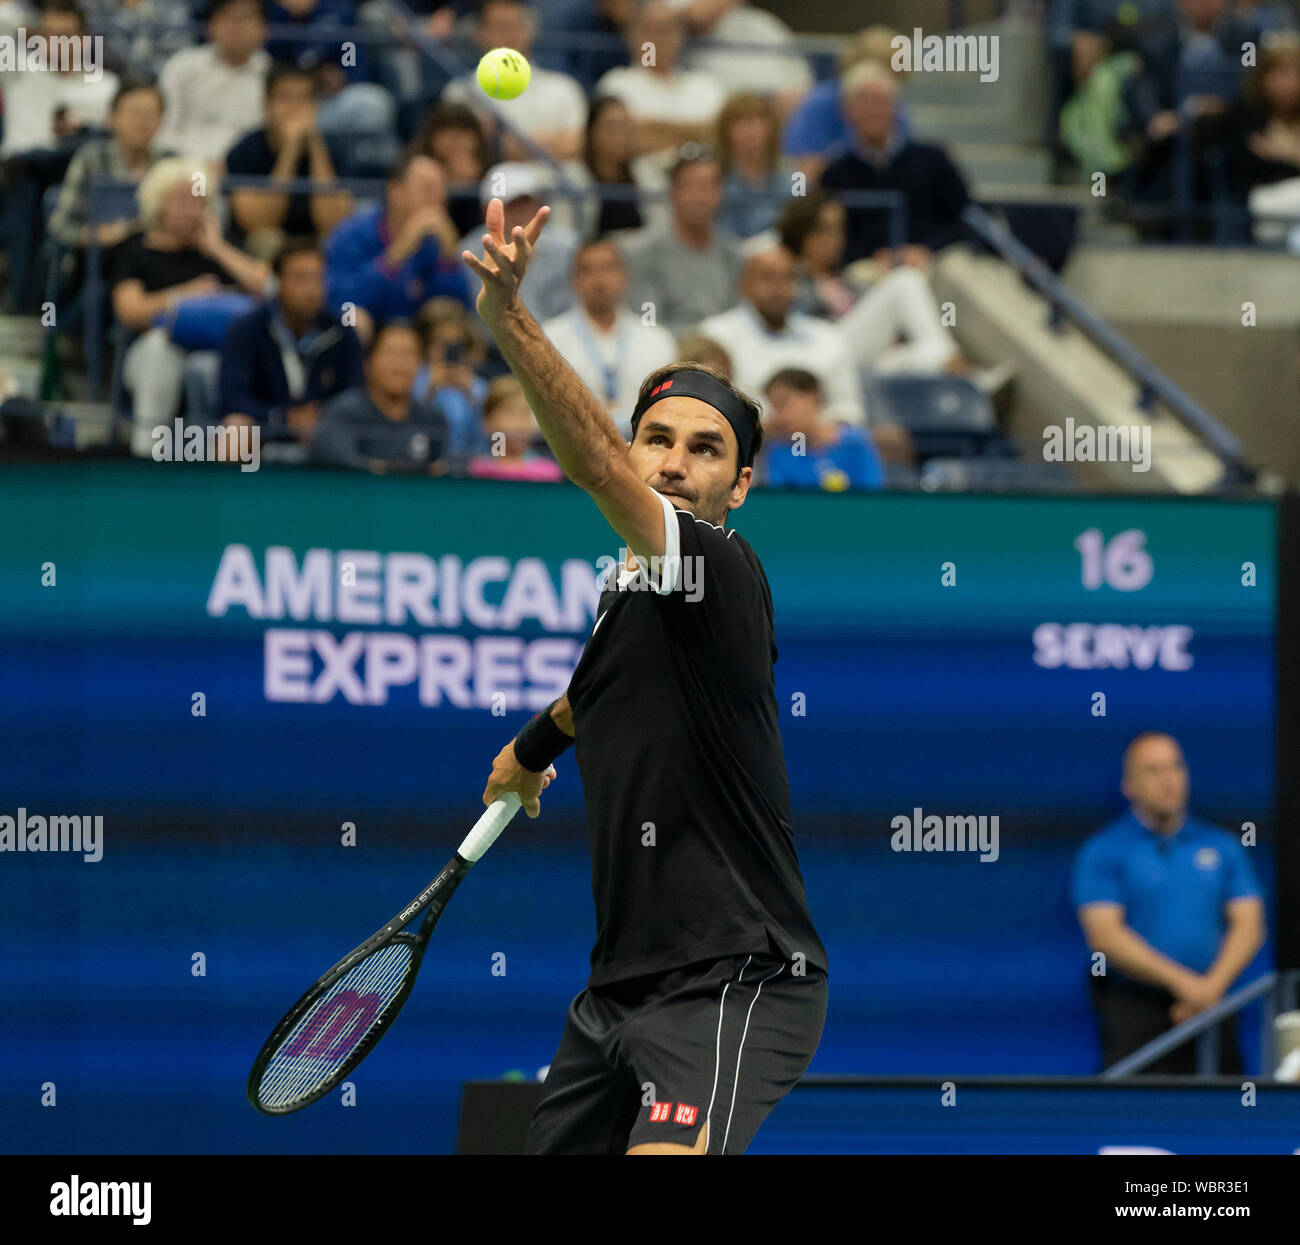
[[1272, 987], [1153, 384]]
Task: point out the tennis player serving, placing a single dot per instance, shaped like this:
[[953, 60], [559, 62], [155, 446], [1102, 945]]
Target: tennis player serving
[[707, 992]]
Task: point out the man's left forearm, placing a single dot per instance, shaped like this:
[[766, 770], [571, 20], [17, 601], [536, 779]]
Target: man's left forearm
[[579, 431], [1238, 948]]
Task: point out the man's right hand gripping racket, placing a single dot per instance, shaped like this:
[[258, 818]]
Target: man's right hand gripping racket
[[337, 1023]]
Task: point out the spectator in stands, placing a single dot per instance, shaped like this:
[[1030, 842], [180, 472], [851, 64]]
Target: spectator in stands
[[607, 161], [782, 75], [755, 181], [803, 449], [126, 156], [669, 105], [216, 91], [814, 229], [1190, 70], [360, 115], [687, 267], [47, 116], [289, 146], [180, 255], [607, 19], [1261, 138], [1093, 119], [521, 189], [449, 379], [696, 348], [513, 434], [879, 158], [552, 112], [452, 135], [818, 128], [764, 333], [139, 34], [610, 347], [282, 361], [380, 427], [386, 261], [1172, 904]]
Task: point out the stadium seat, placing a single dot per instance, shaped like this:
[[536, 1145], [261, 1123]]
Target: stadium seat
[[947, 416]]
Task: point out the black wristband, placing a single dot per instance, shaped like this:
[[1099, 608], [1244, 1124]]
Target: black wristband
[[540, 742]]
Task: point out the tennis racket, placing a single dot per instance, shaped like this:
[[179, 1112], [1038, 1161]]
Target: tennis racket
[[337, 1023]]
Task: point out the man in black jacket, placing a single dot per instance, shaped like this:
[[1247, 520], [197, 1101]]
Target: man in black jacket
[[283, 361], [879, 158]]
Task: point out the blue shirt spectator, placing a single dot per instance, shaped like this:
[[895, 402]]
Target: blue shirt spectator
[[283, 360], [388, 261], [818, 126], [847, 461], [462, 409], [1172, 887]]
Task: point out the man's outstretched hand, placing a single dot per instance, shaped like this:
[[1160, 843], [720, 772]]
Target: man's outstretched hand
[[504, 263]]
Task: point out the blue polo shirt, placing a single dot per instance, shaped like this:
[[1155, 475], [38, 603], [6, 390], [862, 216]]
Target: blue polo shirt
[[1173, 887], [849, 463]]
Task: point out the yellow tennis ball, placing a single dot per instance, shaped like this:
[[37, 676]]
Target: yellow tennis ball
[[504, 73]]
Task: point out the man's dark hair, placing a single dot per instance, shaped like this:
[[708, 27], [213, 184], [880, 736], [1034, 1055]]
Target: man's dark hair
[[292, 247], [129, 86], [590, 244], [752, 408], [397, 324], [216, 6], [402, 165], [64, 8], [1142, 737], [285, 71], [797, 378], [690, 155]]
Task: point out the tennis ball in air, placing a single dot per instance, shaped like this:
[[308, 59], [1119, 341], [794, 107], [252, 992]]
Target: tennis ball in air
[[504, 73]]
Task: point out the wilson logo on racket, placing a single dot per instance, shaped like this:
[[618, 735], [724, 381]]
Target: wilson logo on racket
[[348, 1012]]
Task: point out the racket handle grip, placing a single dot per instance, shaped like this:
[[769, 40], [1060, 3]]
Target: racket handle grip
[[495, 819]]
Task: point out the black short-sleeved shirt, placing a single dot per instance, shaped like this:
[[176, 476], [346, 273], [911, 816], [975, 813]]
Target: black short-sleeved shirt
[[678, 742], [253, 156], [160, 270]]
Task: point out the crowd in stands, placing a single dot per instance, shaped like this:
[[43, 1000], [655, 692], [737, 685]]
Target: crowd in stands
[[1191, 103], [707, 204]]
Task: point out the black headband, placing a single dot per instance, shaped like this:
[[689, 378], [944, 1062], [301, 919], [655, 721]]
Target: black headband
[[693, 384]]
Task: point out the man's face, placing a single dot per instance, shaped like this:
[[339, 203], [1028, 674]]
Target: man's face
[[458, 153], [302, 286], [697, 193], [238, 30], [599, 279], [136, 119], [60, 26], [291, 99], [687, 451], [504, 24], [792, 411], [422, 187], [1202, 14], [1155, 779], [661, 28], [870, 112], [514, 420], [769, 284], [394, 362]]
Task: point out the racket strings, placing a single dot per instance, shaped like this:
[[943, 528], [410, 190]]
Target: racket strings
[[331, 1030]]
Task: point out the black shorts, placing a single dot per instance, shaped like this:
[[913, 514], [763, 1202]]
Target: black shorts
[[655, 1058]]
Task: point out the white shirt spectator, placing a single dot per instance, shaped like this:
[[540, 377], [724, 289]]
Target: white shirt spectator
[[682, 97], [553, 104], [612, 363], [744, 70], [32, 97], [814, 345], [210, 104]]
